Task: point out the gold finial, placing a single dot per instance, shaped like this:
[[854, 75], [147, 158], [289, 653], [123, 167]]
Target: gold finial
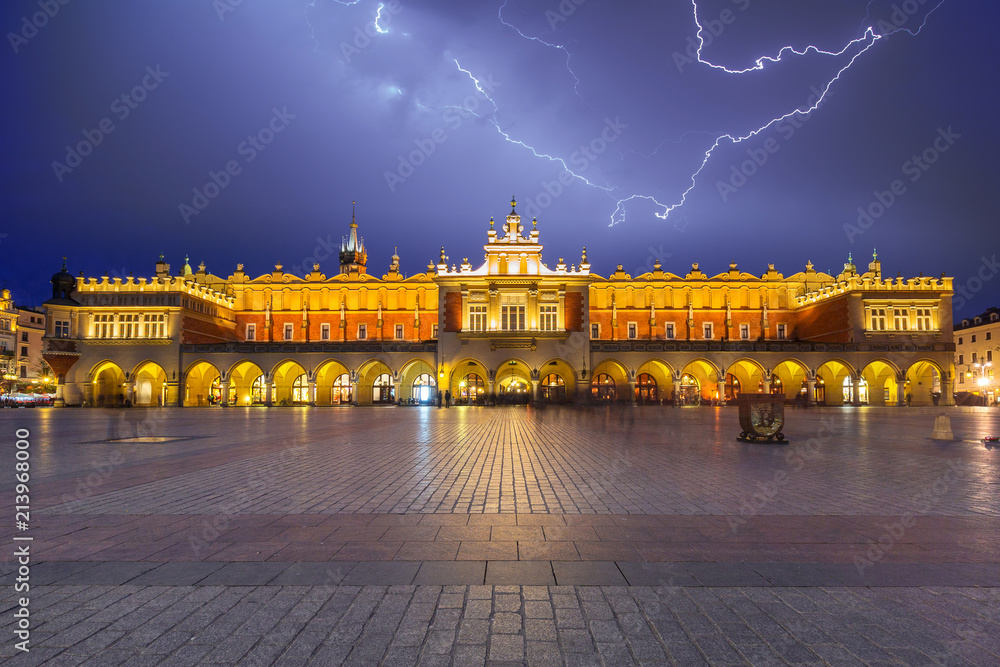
[[513, 203], [491, 222]]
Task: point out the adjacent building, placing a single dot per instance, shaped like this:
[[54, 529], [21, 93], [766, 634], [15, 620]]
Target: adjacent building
[[511, 326], [977, 341]]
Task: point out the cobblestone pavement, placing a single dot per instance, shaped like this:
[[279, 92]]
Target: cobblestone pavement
[[472, 536]]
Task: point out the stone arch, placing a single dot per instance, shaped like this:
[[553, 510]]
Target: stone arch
[[662, 376], [332, 388], [469, 381], [610, 381], [882, 377], [830, 382], [199, 379], [924, 378], [373, 384], [706, 376], [288, 386], [791, 376], [553, 372], [149, 384], [107, 385], [418, 382], [242, 390], [744, 376], [513, 379]]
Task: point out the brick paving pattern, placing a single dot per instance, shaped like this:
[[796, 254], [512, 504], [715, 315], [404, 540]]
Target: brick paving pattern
[[505, 536]]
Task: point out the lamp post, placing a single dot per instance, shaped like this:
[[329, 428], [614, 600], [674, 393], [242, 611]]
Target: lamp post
[[983, 381]]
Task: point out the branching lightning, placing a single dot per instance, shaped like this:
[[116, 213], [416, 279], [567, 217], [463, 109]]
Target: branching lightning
[[378, 15], [560, 47], [869, 38], [517, 142]]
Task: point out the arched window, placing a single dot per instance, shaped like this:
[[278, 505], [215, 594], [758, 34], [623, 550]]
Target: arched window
[[383, 390], [342, 389], [423, 388], [602, 388], [733, 387], [258, 392], [553, 388], [645, 388], [300, 389], [471, 388]]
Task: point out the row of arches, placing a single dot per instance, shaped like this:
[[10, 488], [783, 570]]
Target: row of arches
[[470, 381]]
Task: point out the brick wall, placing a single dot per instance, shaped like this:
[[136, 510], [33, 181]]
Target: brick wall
[[453, 312], [574, 311]]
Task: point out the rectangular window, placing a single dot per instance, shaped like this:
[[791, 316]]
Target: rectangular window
[[324, 332], [547, 317], [289, 330], [961, 359], [973, 338], [961, 378], [24, 351], [633, 330], [781, 331], [399, 332], [61, 329], [923, 321], [595, 331], [877, 319], [959, 340], [24, 371], [512, 313], [744, 332], [974, 360], [24, 336], [434, 331], [251, 332], [668, 330], [362, 332], [901, 319], [989, 355], [707, 330], [477, 318], [989, 335]]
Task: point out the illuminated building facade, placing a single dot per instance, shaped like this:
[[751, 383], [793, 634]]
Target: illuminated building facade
[[977, 344], [511, 327]]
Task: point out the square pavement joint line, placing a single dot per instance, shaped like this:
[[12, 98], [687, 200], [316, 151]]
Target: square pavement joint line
[[506, 572]]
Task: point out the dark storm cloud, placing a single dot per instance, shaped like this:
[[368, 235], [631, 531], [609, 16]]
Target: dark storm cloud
[[631, 112]]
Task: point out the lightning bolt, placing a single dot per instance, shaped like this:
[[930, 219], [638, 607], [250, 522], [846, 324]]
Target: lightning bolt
[[378, 15], [863, 44], [560, 47], [520, 143]]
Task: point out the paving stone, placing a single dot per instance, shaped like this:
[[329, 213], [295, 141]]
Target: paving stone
[[519, 572], [244, 574], [588, 574], [382, 574], [451, 572]]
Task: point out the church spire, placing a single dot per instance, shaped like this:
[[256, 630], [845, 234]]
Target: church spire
[[353, 255]]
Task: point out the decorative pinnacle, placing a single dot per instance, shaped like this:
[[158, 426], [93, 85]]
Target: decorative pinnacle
[[491, 222], [64, 263], [513, 203], [874, 254], [534, 223], [353, 222]]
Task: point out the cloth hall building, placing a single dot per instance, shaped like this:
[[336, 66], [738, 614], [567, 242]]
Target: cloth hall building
[[510, 328]]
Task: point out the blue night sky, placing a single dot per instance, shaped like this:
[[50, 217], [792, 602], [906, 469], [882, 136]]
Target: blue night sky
[[117, 114]]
